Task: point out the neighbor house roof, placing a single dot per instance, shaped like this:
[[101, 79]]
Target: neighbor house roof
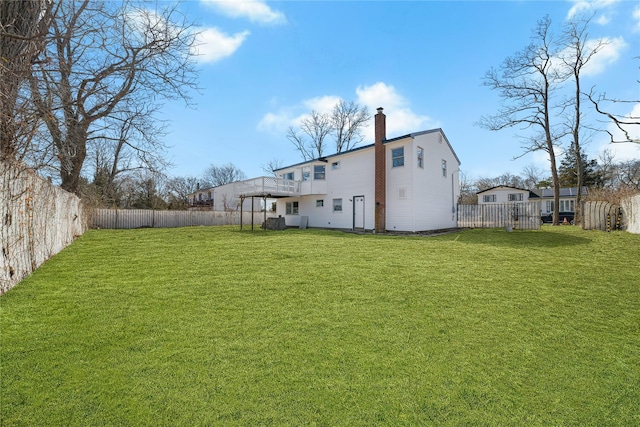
[[503, 186], [564, 192]]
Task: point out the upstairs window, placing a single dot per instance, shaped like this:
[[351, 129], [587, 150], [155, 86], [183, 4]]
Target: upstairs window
[[397, 157], [306, 173], [515, 197], [318, 172], [444, 168], [489, 198], [288, 175], [420, 157]]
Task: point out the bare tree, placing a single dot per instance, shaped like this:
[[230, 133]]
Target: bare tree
[[272, 166], [526, 82], [347, 121], [575, 57], [310, 142], [468, 191], [101, 58], [23, 26], [531, 176], [624, 123], [221, 175], [178, 190]]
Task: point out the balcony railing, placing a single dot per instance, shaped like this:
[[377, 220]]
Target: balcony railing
[[267, 187]]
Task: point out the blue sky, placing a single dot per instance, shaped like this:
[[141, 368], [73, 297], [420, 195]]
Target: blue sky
[[263, 65]]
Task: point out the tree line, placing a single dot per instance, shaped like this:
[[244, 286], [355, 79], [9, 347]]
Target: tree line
[[605, 178]]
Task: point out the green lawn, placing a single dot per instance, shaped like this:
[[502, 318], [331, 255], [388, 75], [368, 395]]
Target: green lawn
[[216, 326]]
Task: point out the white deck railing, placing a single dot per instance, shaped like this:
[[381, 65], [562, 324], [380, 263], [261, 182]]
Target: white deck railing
[[267, 186]]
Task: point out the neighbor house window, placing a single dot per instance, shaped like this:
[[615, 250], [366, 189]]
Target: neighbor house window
[[318, 172], [292, 208], [306, 173], [444, 168], [567, 205], [337, 205], [489, 198], [515, 197], [420, 157], [319, 203], [549, 205], [288, 175], [397, 157], [335, 165]]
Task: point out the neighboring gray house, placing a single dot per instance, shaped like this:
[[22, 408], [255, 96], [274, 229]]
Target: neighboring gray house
[[567, 199]]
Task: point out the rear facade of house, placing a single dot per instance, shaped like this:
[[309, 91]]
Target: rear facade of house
[[408, 183]]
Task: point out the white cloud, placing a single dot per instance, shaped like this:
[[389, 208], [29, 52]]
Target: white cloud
[[588, 6], [608, 55], [400, 118], [636, 16], [213, 45], [255, 10], [603, 20]]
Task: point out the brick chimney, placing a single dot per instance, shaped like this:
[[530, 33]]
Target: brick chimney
[[380, 171]]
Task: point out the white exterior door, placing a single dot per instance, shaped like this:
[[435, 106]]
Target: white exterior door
[[358, 212]]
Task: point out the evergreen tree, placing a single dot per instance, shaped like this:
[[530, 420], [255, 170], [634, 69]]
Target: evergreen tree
[[568, 171]]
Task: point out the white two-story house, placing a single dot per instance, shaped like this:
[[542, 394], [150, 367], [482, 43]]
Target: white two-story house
[[407, 183]]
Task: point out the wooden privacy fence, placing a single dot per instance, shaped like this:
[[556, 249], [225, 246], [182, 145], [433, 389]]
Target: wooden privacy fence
[[146, 218], [601, 215], [37, 220], [519, 216]]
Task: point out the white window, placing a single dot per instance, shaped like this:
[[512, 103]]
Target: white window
[[306, 173], [515, 197], [292, 208], [549, 205], [397, 157], [420, 157], [319, 203], [337, 205], [335, 165], [489, 198], [318, 172], [444, 168], [567, 205], [288, 175]]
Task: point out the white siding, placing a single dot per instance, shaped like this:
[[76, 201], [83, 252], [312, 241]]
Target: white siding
[[418, 199], [354, 177], [430, 198], [502, 195]]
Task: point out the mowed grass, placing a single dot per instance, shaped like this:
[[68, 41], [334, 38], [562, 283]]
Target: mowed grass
[[216, 326]]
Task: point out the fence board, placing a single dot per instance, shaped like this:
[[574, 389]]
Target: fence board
[[143, 218], [38, 220], [601, 215], [519, 216]]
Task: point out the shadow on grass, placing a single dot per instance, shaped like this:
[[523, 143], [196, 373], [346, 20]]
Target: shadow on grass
[[519, 238]]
